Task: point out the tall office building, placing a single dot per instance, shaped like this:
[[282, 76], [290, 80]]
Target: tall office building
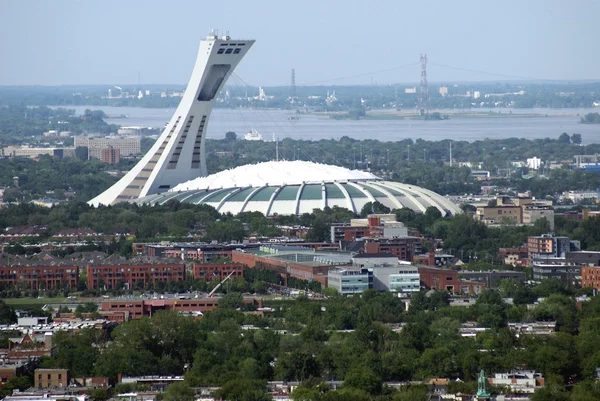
[[179, 153]]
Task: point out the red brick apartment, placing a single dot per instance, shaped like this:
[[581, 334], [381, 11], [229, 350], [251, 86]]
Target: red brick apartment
[[447, 280], [40, 277], [211, 271], [131, 275], [590, 277]]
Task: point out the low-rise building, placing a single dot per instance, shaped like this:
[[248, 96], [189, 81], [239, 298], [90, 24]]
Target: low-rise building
[[136, 309], [492, 278], [51, 378], [590, 277], [447, 280], [522, 381], [347, 280]]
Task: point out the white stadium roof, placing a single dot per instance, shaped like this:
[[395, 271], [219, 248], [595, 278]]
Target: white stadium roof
[[275, 173], [297, 187]]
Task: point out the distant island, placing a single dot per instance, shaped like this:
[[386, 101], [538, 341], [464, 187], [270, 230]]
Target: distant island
[[591, 118]]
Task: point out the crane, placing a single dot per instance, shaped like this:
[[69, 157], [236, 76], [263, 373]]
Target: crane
[[220, 284]]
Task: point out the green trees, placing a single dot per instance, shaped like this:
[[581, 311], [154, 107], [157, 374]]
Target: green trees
[[591, 118]]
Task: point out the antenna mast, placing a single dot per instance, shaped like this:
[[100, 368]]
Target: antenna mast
[[293, 87]]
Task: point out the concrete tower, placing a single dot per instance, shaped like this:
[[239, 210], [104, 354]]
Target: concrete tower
[[179, 153]]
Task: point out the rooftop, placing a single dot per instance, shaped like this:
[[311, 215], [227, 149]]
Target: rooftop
[[275, 173]]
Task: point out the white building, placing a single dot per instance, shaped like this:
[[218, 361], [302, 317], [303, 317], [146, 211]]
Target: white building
[[389, 274], [410, 90], [534, 163], [179, 153], [126, 146], [578, 196], [522, 381], [443, 90]]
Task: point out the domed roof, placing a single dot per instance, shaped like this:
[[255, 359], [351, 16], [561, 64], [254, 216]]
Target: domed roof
[[297, 187], [275, 173]]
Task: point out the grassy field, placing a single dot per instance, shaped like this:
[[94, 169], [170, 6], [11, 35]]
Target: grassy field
[[36, 301]]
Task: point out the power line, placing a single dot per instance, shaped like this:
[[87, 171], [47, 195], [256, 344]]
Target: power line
[[494, 73], [359, 75]]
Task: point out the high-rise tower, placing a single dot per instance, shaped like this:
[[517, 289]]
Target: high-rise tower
[[179, 153], [423, 105]]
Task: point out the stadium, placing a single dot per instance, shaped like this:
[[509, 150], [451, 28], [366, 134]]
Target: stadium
[[297, 187]]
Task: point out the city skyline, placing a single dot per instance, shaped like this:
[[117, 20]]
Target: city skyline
[[345, 43]]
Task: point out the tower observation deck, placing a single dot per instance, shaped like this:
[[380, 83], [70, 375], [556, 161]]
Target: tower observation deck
[[179, 153]]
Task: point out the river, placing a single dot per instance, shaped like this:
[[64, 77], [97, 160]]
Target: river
[[548, 123]]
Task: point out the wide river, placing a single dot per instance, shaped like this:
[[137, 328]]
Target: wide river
[[548, 123]]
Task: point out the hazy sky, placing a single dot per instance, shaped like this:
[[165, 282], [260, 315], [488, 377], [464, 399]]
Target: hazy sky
[[109, 41]]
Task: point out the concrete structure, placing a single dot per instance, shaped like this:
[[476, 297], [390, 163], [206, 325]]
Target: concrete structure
[[95, 146], [550, 245], [349, 280], [179, 153], [51, 378], [556, 268], [492, 278], [579, 196], [133, 276], [388, 273], [111, 155], [519, 210], [531, 214], [297, 187]]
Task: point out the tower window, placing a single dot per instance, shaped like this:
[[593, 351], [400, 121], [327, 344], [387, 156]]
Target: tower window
[[236, 51], [215, 77], [228, 51]]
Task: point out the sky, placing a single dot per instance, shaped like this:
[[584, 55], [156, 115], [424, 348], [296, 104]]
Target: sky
[[341, 42]]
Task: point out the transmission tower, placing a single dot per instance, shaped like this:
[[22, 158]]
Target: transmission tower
[[423, 104], [293, 87]]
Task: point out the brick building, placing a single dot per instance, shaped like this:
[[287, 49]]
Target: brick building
[[136, 309], [39, 277], [590, 277], [309, 269], [447, 280], [404, 248], [51, 378], [211, 271], [111, 155], [133, 276]]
